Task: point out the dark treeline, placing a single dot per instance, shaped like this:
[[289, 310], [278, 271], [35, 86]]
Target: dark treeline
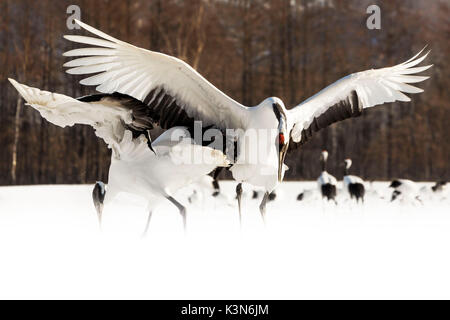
[[250, 50]]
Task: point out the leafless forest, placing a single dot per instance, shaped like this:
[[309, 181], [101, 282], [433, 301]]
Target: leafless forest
[[250, 50]]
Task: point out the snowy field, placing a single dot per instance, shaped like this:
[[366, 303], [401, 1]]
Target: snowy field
[[51, 246]]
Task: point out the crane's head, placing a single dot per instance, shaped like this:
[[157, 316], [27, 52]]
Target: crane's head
[[348, 163], [282, 140], [323, 159]]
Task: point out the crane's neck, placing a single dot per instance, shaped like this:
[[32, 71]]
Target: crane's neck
[[324, 164], [345, 171]]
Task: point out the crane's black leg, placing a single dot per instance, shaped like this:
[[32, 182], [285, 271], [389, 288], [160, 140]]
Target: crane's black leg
[[181, 208], [98, 196], [149, 218], [239, 196], [215, 182], [99, 209], [262, 206], [149, 140], [217, 172]]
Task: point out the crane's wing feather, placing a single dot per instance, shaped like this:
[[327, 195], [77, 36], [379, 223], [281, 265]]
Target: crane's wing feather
[[167, 85], [348, 96], [109, 115]]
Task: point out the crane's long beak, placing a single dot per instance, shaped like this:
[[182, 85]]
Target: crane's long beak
[[281, 155]]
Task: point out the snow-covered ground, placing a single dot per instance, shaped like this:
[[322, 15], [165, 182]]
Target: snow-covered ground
[[51, 247]]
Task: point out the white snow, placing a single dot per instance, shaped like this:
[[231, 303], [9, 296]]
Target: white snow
[[50, 246]]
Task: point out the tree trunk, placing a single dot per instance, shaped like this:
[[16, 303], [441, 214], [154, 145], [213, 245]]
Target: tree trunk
[[16, 140]]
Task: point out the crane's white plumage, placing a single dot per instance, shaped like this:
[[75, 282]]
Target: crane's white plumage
[[168, 92], [326, 182], [325, 178], [140, 171], [354, 185], [107, 119], [405, 190], [135, 168], [174, 93], [348, 178], [373, 87], [407, 186], [136, 72]]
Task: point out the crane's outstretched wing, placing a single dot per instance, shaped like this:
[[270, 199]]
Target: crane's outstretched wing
[[348, 96], [169, 87], [109, 115]]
